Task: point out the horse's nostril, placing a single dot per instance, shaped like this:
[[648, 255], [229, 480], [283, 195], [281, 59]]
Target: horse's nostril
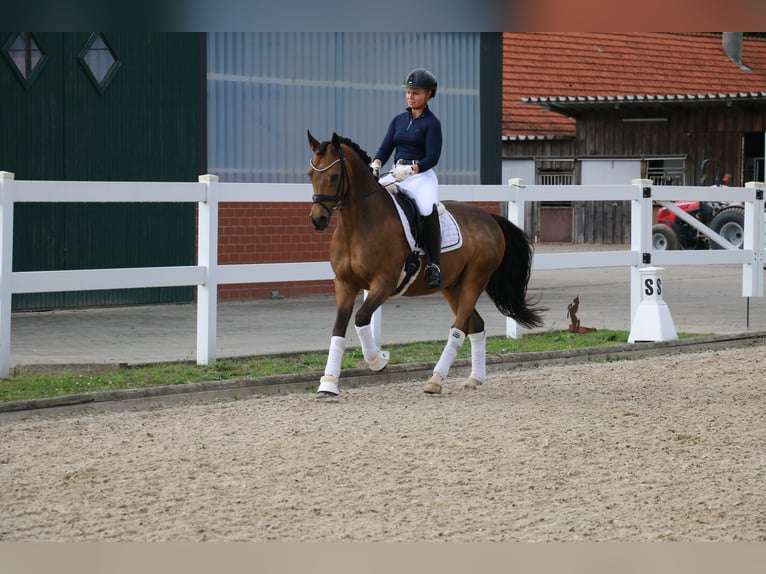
[[320, 222]]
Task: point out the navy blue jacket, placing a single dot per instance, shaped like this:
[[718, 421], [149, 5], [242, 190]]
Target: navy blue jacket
[[419, 139]]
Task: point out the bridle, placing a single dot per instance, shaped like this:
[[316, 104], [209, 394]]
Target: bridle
[[340, 193]]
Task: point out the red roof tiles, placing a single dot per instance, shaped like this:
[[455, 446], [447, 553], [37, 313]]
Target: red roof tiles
[[603, 65]]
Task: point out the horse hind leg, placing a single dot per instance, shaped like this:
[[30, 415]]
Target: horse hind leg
[[471, 323], [478, 361], [454, 342]]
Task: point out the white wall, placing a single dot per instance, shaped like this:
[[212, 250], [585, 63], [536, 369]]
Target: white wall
[[605, 171], [523, 168]]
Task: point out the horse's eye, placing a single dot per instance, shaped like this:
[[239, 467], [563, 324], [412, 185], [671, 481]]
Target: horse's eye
[[334, 179]]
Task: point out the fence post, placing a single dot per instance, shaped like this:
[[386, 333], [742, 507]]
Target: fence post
[[640, 238], [752, 273], [6, 270], [516, 209], [207, 257]]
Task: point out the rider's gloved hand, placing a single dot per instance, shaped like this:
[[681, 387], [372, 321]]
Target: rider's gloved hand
[[375, 169], [402, 172]]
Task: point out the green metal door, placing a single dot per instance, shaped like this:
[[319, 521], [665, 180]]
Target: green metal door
[[100, 106]]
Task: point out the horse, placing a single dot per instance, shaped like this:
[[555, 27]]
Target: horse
[[369, 248]]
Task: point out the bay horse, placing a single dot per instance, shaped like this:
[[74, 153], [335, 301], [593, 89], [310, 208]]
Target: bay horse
[[369, 248]]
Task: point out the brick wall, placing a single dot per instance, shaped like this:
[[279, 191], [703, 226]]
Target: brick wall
[[270, 233], [276, 233]]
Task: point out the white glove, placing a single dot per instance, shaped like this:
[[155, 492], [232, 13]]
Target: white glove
[[375, 168], [402, 172]]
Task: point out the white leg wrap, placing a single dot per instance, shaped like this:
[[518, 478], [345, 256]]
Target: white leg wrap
[[369, 347], [479, 356], [375, 358], [335, 357], [454, 342]]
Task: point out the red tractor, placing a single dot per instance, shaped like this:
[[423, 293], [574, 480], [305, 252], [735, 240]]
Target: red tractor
[[726, 219]]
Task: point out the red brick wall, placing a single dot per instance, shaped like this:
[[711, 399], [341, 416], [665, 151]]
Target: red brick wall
[[276, 233], [270, 233]]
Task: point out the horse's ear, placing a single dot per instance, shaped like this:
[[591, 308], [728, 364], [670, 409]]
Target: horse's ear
[[313, 143], [335, 139]]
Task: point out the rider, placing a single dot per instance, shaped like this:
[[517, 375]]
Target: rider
[[417, 136]]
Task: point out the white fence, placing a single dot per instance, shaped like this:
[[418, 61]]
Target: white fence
[[208, 274]]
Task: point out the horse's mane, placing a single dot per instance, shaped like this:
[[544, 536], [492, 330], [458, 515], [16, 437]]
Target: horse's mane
[[353, 145]]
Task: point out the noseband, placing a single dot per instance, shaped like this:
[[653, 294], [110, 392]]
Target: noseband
[[337, 199]]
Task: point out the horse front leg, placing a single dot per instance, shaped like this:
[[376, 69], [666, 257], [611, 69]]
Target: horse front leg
[[376, 358], [344, 303]]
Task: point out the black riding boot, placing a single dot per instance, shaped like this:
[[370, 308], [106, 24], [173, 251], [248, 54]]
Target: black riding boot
[[432, 241]]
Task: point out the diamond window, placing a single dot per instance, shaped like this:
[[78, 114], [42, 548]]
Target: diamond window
[[25, 55], [99, 61]]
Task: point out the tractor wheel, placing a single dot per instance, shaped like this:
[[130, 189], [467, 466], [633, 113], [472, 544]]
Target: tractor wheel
[[664, 238], [729, 223]]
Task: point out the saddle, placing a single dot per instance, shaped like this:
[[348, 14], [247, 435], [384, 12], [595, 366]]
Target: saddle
[[414, 219], [413, 223]]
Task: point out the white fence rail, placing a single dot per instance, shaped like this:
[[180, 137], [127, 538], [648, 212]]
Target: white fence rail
[[208, 274]]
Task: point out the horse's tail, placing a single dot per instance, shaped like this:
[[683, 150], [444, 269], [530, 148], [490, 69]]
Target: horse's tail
[[508, 285]]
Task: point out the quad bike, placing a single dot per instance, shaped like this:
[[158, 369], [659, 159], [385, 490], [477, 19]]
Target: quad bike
[[670, 232]]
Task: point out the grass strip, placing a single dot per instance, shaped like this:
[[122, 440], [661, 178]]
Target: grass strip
[[29, 385]]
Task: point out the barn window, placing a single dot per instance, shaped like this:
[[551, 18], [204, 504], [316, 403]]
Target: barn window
[[99, 61], [555, 171], [668, 171], [25, 55]]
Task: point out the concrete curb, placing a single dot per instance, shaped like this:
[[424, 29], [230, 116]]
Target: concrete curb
[[353, 378]]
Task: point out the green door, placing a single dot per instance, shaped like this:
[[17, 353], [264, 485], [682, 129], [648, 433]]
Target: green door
[[100, 106]]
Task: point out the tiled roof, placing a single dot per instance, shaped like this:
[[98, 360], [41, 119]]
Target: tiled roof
[[550, 69]]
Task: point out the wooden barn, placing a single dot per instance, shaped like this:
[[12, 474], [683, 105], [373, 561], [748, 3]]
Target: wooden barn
[[601, 108]]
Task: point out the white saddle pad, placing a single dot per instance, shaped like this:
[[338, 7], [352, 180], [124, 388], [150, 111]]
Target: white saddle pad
[[452, 239]]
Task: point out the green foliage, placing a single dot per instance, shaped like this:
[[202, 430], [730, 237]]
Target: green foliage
[[28, 386]]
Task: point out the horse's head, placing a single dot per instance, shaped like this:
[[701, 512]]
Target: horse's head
[[334, 176], [329, 177]]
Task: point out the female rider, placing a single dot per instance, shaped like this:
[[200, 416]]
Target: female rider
[[416, 135]]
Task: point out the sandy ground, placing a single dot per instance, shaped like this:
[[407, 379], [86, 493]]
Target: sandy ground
[[665, 449]]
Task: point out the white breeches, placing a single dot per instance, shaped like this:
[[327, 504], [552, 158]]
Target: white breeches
[[422, 187]]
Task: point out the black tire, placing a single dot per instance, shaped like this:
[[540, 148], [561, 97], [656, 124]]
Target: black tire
[[729, 223], [664, 238]]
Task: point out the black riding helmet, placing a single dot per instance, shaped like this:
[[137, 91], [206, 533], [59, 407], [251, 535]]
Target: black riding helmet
[[421, 78]]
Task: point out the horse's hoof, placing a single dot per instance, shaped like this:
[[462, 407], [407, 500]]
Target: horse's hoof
[[325, 395], [380, 361], [328, 386], [432, 388], [471, 384]]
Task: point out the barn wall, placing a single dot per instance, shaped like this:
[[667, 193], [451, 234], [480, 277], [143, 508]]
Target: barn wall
[[138, 124], [694, 133], [265, 90]]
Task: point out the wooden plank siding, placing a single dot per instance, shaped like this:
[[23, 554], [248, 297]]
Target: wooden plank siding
[[695, 132]]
